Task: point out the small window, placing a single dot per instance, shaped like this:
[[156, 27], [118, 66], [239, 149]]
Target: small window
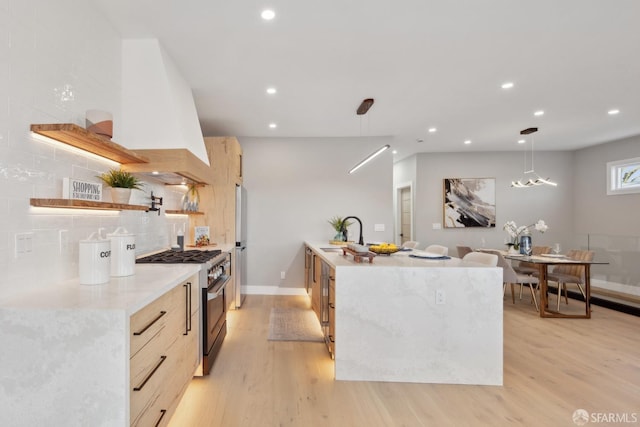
[[623, 176]]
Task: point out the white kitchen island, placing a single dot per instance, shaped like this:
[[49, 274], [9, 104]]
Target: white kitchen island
[[389, 327]]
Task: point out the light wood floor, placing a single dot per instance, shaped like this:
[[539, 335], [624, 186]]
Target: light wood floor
[[551, 368]]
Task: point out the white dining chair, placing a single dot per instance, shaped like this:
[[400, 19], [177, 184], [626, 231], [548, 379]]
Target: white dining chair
[[410, 244], [482, 258], [437, 249], [511, 277]]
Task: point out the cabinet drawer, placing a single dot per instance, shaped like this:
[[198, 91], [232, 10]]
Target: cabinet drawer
[[151, 386], [147, 322]]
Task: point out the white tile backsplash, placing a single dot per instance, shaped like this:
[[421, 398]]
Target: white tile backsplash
[[45, 48]]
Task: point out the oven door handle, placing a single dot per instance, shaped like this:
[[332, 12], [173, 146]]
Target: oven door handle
[[213, 295]]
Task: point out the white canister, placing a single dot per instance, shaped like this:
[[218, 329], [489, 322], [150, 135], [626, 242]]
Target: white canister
[[95, 260], [123, 252]]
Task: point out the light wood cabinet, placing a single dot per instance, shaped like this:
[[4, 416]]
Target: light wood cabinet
[[164, 353], [316, 287], [218, 200], [331, 339]]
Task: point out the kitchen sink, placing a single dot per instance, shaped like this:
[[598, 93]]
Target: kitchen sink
[[332, 249]]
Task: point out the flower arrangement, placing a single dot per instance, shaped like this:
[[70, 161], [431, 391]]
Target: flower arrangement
[[515, 232]]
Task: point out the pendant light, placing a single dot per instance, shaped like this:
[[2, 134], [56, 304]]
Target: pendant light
[[362, 109], [531, 178]]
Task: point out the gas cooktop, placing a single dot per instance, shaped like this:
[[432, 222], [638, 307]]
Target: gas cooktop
[[180, 257]]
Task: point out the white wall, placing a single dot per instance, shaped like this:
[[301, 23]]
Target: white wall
[[608, 225], [595, 212], [295, 186], [46, 47], [524, 206]]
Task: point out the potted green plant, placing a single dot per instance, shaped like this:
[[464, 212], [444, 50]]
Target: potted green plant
[[337, 222], [121, 183]]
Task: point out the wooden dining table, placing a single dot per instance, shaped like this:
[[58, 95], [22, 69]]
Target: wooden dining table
[[543, 262]]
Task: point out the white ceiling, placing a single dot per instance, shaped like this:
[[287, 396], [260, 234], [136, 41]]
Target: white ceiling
[[425, 62]]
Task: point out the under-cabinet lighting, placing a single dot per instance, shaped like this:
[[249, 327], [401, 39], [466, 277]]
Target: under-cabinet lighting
[[369, 158], [72, 211], [73, 150]]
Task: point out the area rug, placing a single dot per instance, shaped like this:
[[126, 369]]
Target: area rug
[[294, 324]]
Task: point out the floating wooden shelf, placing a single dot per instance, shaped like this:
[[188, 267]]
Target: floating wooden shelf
[[169, 211], [76, 136], [85, 204]]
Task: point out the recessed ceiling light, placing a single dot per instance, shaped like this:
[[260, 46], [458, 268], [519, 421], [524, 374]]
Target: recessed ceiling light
[[539, 113], [273, 125], [521, 141], [395, 151], [268, 14], [507, 85], [432, 130], [467, 142], [613, 112], [271, 90]]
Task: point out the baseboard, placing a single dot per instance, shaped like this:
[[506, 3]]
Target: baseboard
[[273, 290]]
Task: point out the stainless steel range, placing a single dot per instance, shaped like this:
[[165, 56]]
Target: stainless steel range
[[214, 276]]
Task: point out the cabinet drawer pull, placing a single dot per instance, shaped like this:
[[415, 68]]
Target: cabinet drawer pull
[[331, 338], [162, 412], [331, 305], [162, 359], [187, 310], [162, 313]]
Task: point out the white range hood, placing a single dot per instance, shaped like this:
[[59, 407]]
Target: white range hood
[[159, 117]]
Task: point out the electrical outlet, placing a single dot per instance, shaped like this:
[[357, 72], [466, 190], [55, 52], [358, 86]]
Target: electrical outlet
[[24, 244], [440, 296], [436, 226], [282, 275], [378, 227]]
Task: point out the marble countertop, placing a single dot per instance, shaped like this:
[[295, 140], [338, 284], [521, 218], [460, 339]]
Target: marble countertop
[[398, 259], [129, 293]]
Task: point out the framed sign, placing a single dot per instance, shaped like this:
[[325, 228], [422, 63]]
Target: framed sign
[[81, 190], [469, 202]]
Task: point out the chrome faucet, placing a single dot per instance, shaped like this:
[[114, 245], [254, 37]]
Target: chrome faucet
[[344, 229]]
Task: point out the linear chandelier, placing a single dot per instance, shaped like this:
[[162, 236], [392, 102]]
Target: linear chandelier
[[369, 158], [362, 109], [533, 178]]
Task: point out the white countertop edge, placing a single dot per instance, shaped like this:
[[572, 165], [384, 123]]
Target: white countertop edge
[[395, 260], [129, 293]]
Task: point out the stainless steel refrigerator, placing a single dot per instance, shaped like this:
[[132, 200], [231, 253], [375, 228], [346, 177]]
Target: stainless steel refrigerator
[[240, 266]]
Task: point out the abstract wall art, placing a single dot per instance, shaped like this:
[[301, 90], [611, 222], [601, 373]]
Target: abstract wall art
[[469, 202]]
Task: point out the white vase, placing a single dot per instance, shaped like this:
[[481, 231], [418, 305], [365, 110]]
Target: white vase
[[120, 195]]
